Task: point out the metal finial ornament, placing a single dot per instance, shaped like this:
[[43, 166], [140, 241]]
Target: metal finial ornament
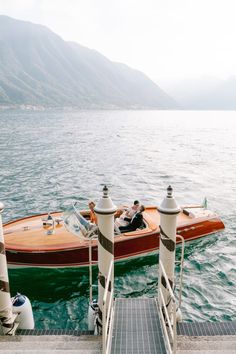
[[105, 191], [169, 191], [1, 207]]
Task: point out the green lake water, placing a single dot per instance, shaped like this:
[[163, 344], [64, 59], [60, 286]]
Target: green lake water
[[50, 159]]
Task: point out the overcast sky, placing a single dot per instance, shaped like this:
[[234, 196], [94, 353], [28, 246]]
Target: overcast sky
[[166, 39]]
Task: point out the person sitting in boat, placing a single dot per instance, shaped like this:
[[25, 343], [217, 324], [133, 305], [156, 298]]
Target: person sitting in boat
[[127, 215], [136, 222], [132, 210], [93, 216]]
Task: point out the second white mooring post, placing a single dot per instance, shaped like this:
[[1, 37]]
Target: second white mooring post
[[168, 212], [6, 315], [105, 210]]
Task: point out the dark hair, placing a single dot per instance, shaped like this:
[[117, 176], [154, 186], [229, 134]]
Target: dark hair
[[136, 202], [142, 208]]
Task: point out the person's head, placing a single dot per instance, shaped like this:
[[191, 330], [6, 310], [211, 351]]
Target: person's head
[[91, 205], [136, 205], [141, 208]]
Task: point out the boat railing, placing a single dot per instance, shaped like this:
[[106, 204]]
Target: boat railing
[[107, 312], [181, 263], [167, 313]]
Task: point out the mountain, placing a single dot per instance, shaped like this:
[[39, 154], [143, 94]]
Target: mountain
[[37, 67]]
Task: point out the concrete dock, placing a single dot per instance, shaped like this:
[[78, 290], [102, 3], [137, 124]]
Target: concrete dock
[[136, 330], [206, 338], [51, 343], [206, 345]]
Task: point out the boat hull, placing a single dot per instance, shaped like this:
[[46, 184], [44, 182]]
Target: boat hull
[[125, 247]]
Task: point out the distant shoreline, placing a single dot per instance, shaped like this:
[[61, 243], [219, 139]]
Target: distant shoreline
[[40, 108]]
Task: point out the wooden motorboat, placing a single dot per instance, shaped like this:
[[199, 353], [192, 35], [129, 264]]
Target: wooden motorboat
[[38, 242]]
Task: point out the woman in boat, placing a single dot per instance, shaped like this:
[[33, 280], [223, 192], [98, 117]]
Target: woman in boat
[[132, 210], [136, 222]]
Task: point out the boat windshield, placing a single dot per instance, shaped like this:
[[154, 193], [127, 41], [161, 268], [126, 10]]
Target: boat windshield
[[77, 224]]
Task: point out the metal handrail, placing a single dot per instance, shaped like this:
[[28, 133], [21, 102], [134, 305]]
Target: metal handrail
[[166, 315], [170, 317], [107, 312], [181, 269], [90, 273], [91, 262]]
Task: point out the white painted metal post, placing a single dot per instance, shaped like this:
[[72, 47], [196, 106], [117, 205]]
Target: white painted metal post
[[168, 212], [6, 316], [105, 210]]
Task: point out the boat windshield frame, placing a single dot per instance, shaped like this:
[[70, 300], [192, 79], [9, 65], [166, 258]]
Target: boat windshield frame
[[79, 226]]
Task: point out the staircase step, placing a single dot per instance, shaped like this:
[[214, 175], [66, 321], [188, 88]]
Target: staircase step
[[51, 351], [64, 344], [208, 344], [46, 338], [54, 345], [205, 352]]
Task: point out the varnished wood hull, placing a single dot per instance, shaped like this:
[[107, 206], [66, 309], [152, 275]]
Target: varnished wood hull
[[76, 253]]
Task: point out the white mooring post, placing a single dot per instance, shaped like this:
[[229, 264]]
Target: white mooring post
[[6, 315], [105, 210], [168, 212]]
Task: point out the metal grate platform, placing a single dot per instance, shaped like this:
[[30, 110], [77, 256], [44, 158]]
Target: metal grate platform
[[52, 332], [207, 328], [137, 327]]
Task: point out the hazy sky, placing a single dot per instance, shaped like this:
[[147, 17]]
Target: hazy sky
[[166, 39]]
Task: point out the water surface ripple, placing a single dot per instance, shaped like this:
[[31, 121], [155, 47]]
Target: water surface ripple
[[50, 159]]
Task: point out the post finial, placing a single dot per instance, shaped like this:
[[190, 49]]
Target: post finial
[[105, 191], [105, 205], [169, 205], [169, 191]]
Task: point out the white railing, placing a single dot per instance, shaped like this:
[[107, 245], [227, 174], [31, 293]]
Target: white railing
[[91, 262], [168, 313], [107, 312], [181, 262]]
